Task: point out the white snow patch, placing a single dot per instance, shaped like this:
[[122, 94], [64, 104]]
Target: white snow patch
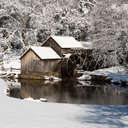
[[51, 78], [28, 114], [87, 45], [31, 99], [85, 76], [117, 74], [67, 55], [43, 100], [112, 70], [12, 63], [114, 6]]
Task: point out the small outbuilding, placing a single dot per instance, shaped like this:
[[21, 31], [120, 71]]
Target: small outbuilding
[[65, 44], [38, 62]]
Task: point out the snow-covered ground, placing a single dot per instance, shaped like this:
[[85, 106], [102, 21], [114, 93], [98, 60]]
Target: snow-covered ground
[[15, 113], [10, 66], [116, 74]]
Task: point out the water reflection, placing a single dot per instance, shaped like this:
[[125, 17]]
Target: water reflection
[[69, 91]]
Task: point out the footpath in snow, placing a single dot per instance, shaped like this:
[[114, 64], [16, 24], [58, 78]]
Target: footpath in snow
[[15, 113]]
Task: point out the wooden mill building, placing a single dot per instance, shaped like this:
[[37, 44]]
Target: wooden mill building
[[39, 61], [51, 57], [65, 44]]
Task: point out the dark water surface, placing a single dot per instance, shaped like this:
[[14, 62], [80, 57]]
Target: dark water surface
[[69, 91]]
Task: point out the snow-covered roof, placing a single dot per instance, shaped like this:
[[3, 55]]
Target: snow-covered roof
[[71, 42], [44, 52], [87, 45], [67, 42]]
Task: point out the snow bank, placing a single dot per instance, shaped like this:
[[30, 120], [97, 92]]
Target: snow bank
[[117, 74], [40, 100], [13, 63], [10, 67], [112, 70], [85, 76]]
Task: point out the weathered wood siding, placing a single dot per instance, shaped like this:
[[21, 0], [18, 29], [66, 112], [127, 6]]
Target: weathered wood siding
[[53, 44], [31, 63], [67, 50]]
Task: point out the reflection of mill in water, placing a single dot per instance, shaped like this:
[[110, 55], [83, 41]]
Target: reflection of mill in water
[[68, 92]]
